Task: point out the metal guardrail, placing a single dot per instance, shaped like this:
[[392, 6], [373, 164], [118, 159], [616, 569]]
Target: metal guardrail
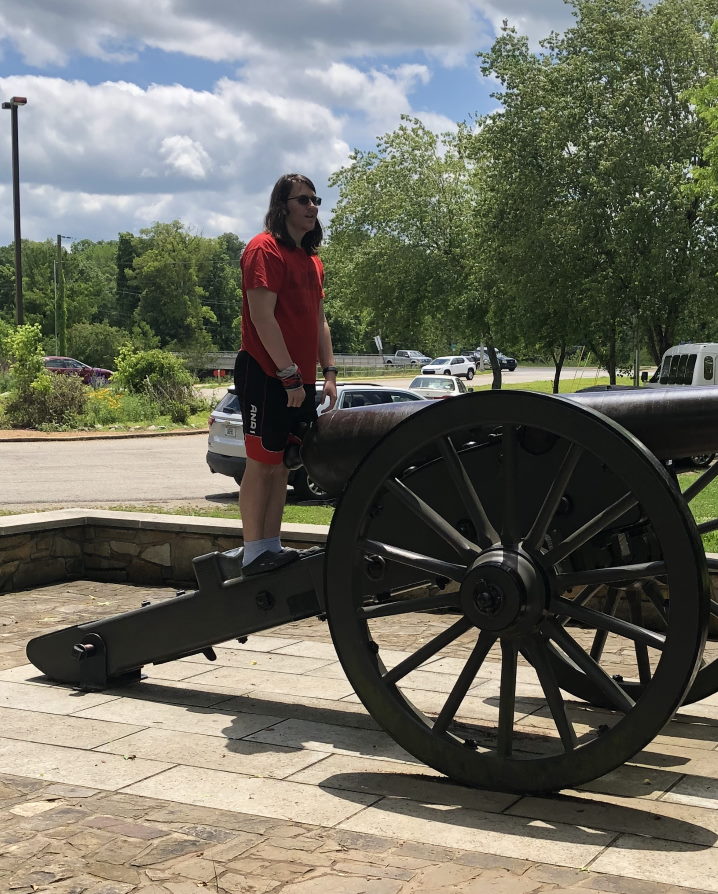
[[224, 360]]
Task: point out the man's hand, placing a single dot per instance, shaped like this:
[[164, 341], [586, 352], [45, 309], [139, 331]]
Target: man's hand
[[296, 396], [330, 391]]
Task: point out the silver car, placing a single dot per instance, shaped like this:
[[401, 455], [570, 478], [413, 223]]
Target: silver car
[[226, 452], [435, 387]]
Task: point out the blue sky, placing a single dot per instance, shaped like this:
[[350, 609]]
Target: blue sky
[[161, 109]]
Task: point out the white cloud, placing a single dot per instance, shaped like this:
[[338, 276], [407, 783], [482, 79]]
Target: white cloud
[[535, 19], [312, 79], [185, 156], [47, 32]]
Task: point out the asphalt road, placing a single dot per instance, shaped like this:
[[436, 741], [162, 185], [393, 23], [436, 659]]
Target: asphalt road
[[109, 472]]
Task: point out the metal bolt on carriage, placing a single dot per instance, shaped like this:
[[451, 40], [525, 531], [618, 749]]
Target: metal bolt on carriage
[[533, 553]]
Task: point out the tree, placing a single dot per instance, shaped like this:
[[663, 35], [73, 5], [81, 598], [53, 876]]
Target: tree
[[127, 296], [98, 344], [221, 285], [165, 276], [398, 239], [592, 231]]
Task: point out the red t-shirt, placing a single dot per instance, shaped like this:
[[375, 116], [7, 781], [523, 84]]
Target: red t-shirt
[[296, 278]]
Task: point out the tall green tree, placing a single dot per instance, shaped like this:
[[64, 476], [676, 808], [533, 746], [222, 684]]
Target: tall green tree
[[165, 276], [398, 238], [127, 295], [222, 287], [591, 230]]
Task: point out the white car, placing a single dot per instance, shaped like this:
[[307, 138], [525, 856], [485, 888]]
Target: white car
[[435, 387], [226, 452], [450, 366]]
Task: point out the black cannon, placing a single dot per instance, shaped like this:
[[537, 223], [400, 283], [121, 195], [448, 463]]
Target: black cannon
[[534, 537]]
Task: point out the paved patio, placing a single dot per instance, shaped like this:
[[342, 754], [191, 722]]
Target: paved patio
[[262, 772]]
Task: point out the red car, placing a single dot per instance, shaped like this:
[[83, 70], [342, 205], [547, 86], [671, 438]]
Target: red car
[[68, 366]]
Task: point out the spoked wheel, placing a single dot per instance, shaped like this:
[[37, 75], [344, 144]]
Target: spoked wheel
[[451, 571], [706, 682]]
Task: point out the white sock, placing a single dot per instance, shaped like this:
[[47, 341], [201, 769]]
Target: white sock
[[254, 548]]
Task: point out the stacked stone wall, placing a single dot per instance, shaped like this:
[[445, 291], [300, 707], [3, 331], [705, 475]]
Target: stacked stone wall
[[36, 551]]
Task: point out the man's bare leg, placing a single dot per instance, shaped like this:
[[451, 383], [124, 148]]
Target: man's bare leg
[[262, 496]]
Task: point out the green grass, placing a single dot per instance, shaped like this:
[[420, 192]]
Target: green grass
[[704, 507], [566, 386], [301, 515]]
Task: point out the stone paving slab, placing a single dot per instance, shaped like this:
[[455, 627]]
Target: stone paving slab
[[261, 773]]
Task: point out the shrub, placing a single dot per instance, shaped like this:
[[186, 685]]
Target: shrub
[[25, 351], [49, 402], [144, 371], [160, 376], [178, 411]]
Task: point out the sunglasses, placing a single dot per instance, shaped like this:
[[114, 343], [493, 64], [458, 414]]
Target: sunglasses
[[305, 200]]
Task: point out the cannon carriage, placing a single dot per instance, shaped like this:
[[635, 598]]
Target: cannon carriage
[[536, 548]]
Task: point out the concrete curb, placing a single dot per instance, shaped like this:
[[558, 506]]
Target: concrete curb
[[24, 435]]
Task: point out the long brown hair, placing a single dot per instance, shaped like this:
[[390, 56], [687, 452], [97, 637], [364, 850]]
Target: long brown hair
[[275, 219]]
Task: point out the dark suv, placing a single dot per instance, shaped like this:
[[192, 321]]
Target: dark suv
[[505, 362]]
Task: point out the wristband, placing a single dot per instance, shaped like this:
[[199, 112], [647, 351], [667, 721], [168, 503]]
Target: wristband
[[292, 382], [291, 370], [329, 369]]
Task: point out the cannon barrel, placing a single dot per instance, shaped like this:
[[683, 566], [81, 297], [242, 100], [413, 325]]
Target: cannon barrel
[[671, 422]]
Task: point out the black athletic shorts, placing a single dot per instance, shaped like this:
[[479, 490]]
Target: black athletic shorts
[[267, 421]]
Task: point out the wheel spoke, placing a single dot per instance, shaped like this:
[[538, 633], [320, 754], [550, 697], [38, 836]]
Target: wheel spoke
[[464, 680], [601, 621], [485, 532], [600, 637], [616, 575], [507, 698], [591, 528], [653, 591], [510, 499], [642, 661], [536, 535], [615, 696], [415, 560], [585, 595], [421, 509], [405, 606], [700, 483], [427, 651], [708, 526], [535, 653]]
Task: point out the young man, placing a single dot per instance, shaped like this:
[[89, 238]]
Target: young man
[[284, 332]]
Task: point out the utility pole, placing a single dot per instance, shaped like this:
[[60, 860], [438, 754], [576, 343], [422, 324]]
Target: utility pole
[[13, 104]]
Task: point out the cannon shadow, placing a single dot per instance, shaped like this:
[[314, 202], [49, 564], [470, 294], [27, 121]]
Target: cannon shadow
[[543, 818], [426, 797]]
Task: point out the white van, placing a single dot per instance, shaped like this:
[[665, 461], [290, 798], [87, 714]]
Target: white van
[[689, 364]]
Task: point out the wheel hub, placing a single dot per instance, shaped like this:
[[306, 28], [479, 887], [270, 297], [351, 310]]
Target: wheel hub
[[503, 591]]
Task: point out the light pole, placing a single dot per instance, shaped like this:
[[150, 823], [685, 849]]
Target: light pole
[[13, 104]]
